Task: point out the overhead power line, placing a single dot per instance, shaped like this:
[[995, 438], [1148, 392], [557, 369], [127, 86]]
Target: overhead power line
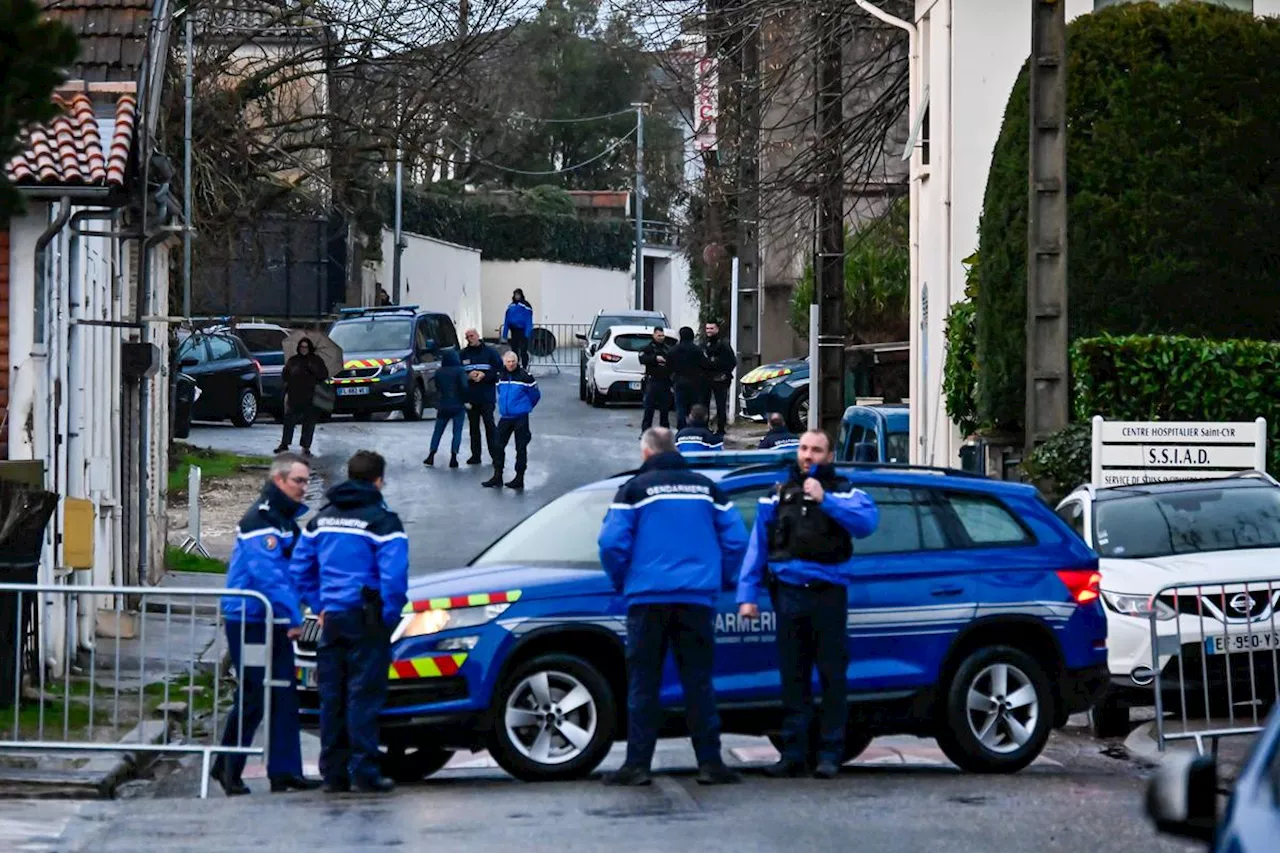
[[606, 152]]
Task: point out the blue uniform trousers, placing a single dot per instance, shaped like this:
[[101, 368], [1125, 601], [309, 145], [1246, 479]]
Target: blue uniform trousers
[[813, 632], [689, 631], [285, 750], [351, 670]]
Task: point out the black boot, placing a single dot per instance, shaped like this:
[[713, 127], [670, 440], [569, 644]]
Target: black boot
[[517, 483], [280, 784], [785, 769], [453, 460], [474, 460], [629, 776], [431, 459], [494, 482]]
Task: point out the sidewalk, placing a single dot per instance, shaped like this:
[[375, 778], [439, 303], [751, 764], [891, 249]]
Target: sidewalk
[[1142, 743]]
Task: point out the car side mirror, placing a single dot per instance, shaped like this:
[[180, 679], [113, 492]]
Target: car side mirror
[[188, 362], [1182, 798], [866, 451], [582, 338]]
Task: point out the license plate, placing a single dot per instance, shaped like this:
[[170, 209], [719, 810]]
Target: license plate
[[307, 677], [634, 386], [353, 391], [1256, 642]]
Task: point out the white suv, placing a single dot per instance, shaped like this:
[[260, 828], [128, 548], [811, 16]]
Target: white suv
[[1152, 535], [614, 371]]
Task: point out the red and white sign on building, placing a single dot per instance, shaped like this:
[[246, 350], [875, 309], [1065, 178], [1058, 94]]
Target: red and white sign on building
[[706, 97]]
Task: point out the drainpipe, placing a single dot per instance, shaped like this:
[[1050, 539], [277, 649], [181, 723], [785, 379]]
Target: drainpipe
[[919, 405], [144, 309]]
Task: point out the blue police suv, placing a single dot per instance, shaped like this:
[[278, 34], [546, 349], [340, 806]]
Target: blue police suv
[[976, 621]]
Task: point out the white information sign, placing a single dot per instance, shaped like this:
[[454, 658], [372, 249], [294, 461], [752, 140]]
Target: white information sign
[[1128, 452]]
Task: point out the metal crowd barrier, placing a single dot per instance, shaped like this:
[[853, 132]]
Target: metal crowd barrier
[[554, 345], [1215, 654], [114, 677]]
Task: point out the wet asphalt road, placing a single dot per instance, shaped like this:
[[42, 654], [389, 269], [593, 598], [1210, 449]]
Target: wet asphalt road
[[448, 516]]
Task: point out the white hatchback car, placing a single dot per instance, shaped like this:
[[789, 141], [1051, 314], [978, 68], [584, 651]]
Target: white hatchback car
[[614, 371], [1154, 535]]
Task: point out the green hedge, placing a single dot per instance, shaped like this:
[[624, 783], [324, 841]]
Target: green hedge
[[503, 234], [1162, 378], [1173, 192]]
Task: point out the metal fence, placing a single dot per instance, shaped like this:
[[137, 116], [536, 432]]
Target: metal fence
[[142, 656], [556, 345], [1215, 657]]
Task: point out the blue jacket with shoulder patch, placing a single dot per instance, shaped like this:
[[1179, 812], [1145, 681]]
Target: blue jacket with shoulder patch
[[698, 439], [638, 546], [354, 542], [485, 359], [265, 539], [517, 393]]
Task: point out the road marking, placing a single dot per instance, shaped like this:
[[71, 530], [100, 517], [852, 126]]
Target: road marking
[[27, 827]]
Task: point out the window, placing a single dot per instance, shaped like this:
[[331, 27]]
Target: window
[[632, 343], [1073, 515], [262, 340], [1187, 522], [748, 504], [193, 348], [909, 521], [357, 336], [222, 349], [425, 333], [448, 336], [565, 532], [986, 522], [897, 445]]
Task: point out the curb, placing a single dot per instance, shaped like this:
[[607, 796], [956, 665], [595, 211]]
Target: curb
[[99, 777], [1141, 745]]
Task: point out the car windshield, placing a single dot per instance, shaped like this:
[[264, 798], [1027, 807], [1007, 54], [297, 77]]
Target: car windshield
[[604, 321], [562, 533], [897, 447], [1209, 519], [372, 335]]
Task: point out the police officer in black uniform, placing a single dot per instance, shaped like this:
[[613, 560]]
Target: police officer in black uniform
[[657, 380]]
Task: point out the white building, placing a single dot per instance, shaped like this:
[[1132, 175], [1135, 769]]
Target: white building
[[966, 56]]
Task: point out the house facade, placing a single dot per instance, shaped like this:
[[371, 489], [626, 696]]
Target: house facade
[[84, 295]]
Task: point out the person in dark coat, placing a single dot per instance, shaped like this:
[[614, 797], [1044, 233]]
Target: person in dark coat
[[451, 404], [689, 367], [657, 380], [517, 326], [778, 435], [302, 373], [723, 362], [483, 366]]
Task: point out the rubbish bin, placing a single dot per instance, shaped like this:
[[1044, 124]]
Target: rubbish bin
[[24, 514]]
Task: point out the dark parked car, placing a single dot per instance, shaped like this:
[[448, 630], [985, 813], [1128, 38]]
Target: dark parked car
[[185, 392], [266, 343], [229, 377]]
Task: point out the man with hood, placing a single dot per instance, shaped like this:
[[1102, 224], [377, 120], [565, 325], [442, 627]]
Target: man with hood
[[517, 326], [688, 366], [517, 395], [801, 549], [723, 361], [352, 567], [451, 404], [265, 538], [483, 366]]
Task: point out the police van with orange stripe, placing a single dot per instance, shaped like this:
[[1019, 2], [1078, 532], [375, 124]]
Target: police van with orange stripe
[[390, 354], [976, 620]]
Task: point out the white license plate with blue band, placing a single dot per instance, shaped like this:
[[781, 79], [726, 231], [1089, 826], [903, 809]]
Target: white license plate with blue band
[[634, 386], [353, 391], [1258, 641]]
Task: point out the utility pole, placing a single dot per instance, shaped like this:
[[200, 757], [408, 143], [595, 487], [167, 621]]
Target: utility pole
[[829, 108], [1046, 381], [748, 237], [188, 86], [639, 205], [398, 248]]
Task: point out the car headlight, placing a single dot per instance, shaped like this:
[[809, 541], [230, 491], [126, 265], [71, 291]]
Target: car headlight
[[1137, 605], [430, 622], [771, 383], [396, 368]]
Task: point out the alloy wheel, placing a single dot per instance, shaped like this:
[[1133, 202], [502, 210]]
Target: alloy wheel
[[1003, 708], [551, 717]]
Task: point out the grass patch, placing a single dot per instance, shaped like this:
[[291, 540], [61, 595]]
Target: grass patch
[[176, 560], [213, 464]]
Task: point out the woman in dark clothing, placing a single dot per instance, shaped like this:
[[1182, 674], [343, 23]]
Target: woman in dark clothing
[[451, 396], [517, 326], [302, 373]]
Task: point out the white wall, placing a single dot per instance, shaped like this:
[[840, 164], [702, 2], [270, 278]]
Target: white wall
[[437, 275], [559, 293], [671, 291]]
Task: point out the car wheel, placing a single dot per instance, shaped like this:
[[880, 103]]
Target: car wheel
[[799, 416], [856, 742], [598, 398], [1108, 719], [553, 719], [411, 762], [998, 711], [582, 383], [246, 408], [415, 403]]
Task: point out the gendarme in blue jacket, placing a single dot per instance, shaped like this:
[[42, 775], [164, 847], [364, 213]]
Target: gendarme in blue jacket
[[485, 359], [517, 393], [354, 542], [636, 543], [519, 316], [849, 507], [265, 538], [696, 438]]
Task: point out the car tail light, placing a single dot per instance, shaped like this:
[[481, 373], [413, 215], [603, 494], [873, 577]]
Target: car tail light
[[1084, 584], [610, 357]]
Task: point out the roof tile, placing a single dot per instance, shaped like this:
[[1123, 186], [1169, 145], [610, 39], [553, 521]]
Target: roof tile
[[70, 151]]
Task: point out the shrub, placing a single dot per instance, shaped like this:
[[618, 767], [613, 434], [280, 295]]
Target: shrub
[[960, 370], [1062, 461], [1172, 189]]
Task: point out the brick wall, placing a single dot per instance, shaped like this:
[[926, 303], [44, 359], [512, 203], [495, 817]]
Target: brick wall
[[4, 339]]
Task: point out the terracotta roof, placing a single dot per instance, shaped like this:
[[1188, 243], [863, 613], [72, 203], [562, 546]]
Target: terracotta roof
[[113, 36], [72, 150]]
